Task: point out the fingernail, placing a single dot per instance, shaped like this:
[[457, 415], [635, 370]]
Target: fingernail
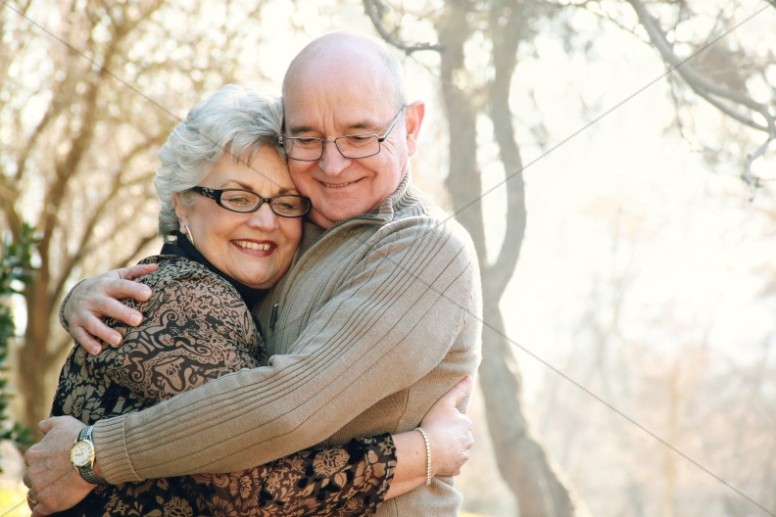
[[135, 320], [146, 291]]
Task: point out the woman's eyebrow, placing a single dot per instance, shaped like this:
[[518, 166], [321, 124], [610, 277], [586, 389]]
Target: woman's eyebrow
[[245, 186]]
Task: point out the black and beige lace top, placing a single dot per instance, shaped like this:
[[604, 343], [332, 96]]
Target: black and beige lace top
[[197, 327]]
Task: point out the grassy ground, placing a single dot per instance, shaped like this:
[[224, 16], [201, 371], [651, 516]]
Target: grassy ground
[[13, 501]]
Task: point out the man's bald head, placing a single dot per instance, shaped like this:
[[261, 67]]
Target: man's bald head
[[343, 55]]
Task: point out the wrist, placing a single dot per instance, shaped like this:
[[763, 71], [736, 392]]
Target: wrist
[[82, 456], [427, 444]]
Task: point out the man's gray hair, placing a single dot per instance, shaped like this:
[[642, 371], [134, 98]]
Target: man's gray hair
[[236, 120]]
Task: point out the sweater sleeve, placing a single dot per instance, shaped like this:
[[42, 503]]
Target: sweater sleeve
[[197, 329], [394, 316]]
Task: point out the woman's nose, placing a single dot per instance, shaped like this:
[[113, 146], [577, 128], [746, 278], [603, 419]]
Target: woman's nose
[[264, 218]]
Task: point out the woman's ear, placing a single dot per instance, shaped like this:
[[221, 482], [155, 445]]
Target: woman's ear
[[180, 209], [413, 116]]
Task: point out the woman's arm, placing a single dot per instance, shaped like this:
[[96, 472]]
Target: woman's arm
[[450, 439]]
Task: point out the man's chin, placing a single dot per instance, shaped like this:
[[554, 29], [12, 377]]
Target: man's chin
[[341, 211]]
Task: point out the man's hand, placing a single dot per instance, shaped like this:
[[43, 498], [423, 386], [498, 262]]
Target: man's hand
[[97, 297], [54, 484]]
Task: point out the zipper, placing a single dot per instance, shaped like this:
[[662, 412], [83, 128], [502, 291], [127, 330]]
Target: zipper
[[294, 272]]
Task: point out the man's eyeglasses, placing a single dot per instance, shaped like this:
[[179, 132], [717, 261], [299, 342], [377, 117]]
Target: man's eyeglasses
[[245, 201], [310, 149]]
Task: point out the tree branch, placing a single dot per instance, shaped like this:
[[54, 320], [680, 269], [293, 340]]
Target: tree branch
[[717, 95], [374, 10]]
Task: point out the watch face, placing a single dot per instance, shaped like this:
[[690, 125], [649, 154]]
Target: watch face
[[82, 454]]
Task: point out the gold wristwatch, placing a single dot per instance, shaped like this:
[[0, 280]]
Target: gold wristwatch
[[82, 456]]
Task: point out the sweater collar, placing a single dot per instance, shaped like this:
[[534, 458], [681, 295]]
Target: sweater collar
[[181, 247], [384, 213], [388, 208]]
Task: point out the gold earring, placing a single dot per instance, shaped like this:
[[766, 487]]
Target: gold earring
[[188, 235]]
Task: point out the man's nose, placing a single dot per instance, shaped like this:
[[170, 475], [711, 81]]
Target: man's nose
[[332, 162]]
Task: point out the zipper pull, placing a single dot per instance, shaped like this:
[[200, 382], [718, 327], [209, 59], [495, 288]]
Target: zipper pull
[[273, 317]]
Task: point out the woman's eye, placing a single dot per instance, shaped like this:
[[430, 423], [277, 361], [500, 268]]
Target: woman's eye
[[238, 200]]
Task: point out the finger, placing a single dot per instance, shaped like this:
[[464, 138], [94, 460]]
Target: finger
[[46, 425], [460, 392], [112, 307], [88, 342], [95, 329], [126, 288], [39, 511], [136, 271]]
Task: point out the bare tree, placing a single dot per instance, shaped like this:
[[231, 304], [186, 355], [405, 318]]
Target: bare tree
[[498, 28], [87, 96]]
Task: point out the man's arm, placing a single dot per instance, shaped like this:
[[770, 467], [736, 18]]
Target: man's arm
[[381, 332], [360, 335], [57, 486]]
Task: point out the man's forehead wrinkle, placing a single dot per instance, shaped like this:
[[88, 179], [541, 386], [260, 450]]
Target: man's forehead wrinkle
[[344, 123]]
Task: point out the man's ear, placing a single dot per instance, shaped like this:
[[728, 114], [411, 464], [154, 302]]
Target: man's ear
[[413, 117]]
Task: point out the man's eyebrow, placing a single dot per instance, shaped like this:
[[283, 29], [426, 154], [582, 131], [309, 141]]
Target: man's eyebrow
[[348, 129], [299, 129]]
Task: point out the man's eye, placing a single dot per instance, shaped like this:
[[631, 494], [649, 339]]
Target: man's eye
[[359, 139], [307, 142]]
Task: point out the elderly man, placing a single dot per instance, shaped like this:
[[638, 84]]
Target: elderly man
[[378, 317]]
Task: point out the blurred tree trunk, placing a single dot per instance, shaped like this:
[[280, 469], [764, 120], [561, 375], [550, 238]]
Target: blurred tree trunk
[[521, 459]]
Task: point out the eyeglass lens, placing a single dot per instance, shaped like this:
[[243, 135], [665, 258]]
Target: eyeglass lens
[[350, 146]]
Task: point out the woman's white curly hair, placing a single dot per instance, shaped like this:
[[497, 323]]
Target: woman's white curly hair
[[235, 119]]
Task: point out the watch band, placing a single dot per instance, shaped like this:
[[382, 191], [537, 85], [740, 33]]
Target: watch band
[[87, 472]]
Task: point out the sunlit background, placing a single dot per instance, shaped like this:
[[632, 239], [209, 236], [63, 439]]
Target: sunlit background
[[641, 312]]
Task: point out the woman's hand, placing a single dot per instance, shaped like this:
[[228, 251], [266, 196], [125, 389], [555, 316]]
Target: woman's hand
[[450, 438], [449, 431], [97, 297]]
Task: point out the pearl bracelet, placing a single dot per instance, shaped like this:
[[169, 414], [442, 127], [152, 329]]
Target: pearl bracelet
[[428, 454]]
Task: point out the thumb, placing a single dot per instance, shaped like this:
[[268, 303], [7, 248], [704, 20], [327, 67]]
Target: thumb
[[460, 392], [45, 425]]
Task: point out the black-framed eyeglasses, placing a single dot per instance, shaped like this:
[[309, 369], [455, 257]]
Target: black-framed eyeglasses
[[354, 147], [245, 201]]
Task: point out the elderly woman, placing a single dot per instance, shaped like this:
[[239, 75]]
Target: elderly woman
[[231, 221]]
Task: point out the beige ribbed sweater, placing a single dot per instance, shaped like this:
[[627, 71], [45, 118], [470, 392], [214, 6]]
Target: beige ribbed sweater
[[377, 319]]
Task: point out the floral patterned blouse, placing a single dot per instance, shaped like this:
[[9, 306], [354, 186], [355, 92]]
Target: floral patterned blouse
[[198, 327]]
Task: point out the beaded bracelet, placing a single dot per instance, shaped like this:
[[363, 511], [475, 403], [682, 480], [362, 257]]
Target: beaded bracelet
[[428, 454]]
